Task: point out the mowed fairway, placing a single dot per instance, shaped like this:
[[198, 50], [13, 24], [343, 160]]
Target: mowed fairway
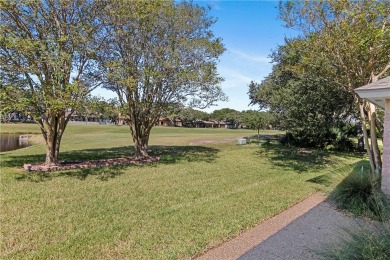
[[204, 190]]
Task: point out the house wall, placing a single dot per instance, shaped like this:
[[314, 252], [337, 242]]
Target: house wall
[[386, 151], [168, 122], [163, 122]]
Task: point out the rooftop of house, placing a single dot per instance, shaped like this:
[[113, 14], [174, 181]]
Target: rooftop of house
[[376, 92], [380, 84]]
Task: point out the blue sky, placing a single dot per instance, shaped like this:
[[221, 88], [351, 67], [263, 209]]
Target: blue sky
[[249, 30]]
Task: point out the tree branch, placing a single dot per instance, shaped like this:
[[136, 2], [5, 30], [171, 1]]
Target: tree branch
[[376, 77]]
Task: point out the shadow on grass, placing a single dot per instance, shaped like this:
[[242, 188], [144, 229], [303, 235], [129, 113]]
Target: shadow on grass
[[167, 154], [325, 180], [173, 154], [297, 159], [102, 173]]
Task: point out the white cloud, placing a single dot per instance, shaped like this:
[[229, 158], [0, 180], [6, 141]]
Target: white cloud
[[233, 78], [105, 93], [250, 57], [239, 69]]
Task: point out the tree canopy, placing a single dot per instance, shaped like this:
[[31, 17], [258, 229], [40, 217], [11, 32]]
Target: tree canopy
[[160, 54], [189, 116], [154, 54], [343, 44], [256, 120], [305, 104], [227, 114], [47, 51], [350, 42]]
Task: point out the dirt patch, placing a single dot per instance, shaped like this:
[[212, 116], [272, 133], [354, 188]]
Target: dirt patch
[[70, 165]]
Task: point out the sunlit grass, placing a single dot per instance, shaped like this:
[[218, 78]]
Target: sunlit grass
[[204, 190]]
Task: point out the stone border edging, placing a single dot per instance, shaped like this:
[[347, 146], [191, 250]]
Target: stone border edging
[[70, 165]]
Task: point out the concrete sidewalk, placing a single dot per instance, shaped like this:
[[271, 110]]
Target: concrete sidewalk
[[310, 236], [303, 231]]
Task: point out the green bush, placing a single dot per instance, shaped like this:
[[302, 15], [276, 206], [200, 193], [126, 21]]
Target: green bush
[[342, 141], [359, 194], [307, 139], [365, 246], [338, 138]]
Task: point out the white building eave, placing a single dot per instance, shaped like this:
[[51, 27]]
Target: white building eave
[[376, 97]]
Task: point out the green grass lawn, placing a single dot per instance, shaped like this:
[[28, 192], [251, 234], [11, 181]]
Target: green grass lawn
[[204, 190]]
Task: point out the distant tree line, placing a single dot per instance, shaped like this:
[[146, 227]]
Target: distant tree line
[[249, 119], [98, 108]]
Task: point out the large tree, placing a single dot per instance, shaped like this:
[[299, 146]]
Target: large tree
[[256, 120], [46, 56], [304, 102], [190, 116], [350, 42], [161, 54], [227, 114], [99, 108]]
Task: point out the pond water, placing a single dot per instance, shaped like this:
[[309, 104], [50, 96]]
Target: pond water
[[9, 142]]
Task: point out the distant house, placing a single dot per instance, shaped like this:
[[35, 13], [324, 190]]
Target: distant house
[[210, 124], [76, 117], [221, 124], [231, 125], [165, 121], [16, 116], [90, 117], [203, 124], [178, 122]]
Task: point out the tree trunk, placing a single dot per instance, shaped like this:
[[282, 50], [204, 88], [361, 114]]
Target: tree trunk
[[365, 135], [52, 150], [374, 141], [140, 131], [373, 123], [141, 147], [360, 137], [52, 128]]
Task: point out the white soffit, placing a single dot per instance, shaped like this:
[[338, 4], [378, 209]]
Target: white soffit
[[376, 92]]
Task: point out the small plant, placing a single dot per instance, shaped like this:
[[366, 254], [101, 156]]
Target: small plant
[[342, 142], [359, 193], [371, 246]]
